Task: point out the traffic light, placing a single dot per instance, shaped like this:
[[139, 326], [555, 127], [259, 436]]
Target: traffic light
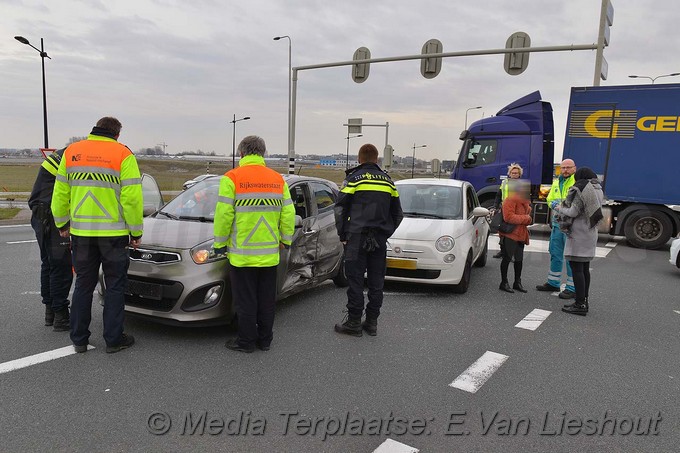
[[360, 71]]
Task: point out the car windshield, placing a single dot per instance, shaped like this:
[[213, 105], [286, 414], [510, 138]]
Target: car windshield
[[431, 201], [196, 203]]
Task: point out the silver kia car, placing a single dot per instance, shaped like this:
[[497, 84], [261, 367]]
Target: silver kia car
[[174, 278]]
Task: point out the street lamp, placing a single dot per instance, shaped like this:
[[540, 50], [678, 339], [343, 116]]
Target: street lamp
[[290, 72], [43, 55], [348, 137], [233, 143], [466, 112], [653, 78], [413, 162]]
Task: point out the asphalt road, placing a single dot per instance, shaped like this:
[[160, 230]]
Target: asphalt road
[[616, 370]]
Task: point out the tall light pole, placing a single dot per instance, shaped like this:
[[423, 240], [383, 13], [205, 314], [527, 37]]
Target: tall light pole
[[233, 136], [43, 55], [413, 162], [348, 137], [466, 112], [290, 73], [654, 78]]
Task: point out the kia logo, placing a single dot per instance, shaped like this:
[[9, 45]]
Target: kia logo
[[147, 256]]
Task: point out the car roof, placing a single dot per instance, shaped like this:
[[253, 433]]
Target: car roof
[[432, 182], [291, 179]]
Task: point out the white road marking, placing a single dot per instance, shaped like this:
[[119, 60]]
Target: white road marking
[[479, 372], [392, 446], [541, 246], [13, 226], [38, 358], [22, 242], [677, 311], [611, 244], [30, 292], [533, 319]]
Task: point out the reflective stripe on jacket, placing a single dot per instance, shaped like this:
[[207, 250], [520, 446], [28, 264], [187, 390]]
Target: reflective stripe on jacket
[[98, 190], [44, 182], [254, 214]]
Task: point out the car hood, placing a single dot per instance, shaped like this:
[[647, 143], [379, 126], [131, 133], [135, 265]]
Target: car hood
[[179, 234], [417, 229]]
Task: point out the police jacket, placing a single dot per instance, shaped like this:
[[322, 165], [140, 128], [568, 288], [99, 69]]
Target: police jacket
[[254, 214], [44, 182], [368, 200], [98, 191]]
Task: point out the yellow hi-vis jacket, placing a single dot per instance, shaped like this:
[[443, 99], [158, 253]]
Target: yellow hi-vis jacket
[[98, 191], [558, 191], [254, 213]]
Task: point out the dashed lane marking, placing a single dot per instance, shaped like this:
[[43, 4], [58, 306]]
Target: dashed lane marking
[[35, 359], [392, 446], [533, 319], [677, 311], [13, 226], [479, 372], [22, 242]]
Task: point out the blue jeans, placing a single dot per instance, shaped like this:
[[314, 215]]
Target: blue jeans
[[88, 254], [557, 261]]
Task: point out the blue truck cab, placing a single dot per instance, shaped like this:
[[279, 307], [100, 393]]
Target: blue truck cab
[[629, 135], [522, 133]]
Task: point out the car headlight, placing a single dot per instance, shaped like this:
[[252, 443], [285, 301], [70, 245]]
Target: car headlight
[[203, 253], [444, 243]]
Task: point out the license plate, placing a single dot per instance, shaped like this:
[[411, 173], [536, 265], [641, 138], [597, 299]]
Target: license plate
[[398, 263], [144, 289]]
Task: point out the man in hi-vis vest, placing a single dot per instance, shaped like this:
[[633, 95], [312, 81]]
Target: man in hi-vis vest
[[98, 201], [254, 218]]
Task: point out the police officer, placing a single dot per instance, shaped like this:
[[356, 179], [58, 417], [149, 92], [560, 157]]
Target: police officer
[[98, 201], [558, 192], [56, 273], [254, 218], [368, 211]]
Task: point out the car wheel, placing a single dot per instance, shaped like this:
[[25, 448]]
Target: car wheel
[[648, 229], [340, 278], [481, 261], [462, 287]]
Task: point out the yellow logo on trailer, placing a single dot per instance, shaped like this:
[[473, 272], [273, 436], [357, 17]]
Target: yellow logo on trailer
[[618, 123]]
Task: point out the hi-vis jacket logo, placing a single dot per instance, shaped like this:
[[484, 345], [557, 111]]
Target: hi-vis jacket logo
[[75, 158], [617, 123]]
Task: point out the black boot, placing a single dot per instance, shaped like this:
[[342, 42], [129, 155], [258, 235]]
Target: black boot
[[350, 326], [574, 303], [505, 286], [498, 255], [577, 308], [370, 325], [518, 286], [49, 315], [62, 320]]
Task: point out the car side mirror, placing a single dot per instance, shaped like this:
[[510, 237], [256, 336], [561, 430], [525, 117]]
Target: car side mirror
[[148, 210], [298, 221], [480, 211]]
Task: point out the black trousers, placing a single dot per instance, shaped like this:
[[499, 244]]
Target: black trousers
[[56, 274], [581, 272], [253, 291], [512, 251], [113, 256], [359, 261]]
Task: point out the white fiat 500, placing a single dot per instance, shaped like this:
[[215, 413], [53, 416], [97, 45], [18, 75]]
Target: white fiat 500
[[443, 234]]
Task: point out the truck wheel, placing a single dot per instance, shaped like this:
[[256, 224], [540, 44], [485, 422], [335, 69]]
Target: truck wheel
[[648, 229], [462, 287]]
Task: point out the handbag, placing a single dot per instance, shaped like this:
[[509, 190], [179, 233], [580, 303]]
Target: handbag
[[496, 221], [506, 227]]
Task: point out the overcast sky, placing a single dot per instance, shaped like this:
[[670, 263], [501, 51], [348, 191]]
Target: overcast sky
[[176, 71]]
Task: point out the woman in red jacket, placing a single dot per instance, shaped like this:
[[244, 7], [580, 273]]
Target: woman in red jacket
[[516, 211]]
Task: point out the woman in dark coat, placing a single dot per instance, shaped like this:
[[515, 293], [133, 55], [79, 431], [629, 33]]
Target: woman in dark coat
[[517, 211], [578, 216]]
